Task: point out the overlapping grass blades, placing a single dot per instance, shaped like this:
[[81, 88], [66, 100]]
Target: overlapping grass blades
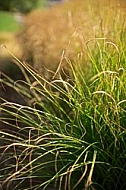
[[70, 135]]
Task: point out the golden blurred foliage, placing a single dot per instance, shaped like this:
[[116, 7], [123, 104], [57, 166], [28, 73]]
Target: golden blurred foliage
[[64, 30]]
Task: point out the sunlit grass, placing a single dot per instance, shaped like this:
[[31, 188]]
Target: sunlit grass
[[72, 135], [69, 133]]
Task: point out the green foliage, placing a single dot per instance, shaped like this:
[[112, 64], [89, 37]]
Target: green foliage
[[8, 22], [21, 5], [26, 6], [5, 5]]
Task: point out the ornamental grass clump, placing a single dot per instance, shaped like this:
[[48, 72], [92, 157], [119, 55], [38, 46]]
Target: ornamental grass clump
[[68, 134], [71, 137]]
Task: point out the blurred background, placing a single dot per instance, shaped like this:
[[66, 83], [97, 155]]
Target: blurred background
[[25, 6], [12, 14]]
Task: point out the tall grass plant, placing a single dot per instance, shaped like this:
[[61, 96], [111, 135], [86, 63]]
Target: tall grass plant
[[70, 133]]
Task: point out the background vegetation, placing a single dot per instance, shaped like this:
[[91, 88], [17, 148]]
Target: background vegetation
[[8, 22], [75, 22], [21, 5]]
